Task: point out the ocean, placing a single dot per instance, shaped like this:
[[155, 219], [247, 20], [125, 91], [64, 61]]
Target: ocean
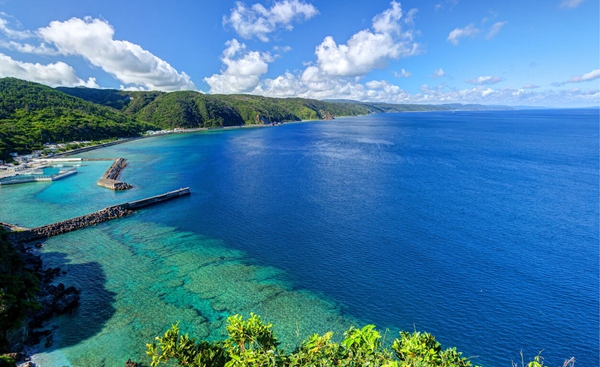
[[480, 227]]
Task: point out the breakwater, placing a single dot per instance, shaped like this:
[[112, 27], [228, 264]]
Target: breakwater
[[110, 177], [137, 204], [103, 215]]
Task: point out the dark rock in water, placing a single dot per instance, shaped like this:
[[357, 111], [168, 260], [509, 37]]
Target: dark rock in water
[[49, 274], [68, 300], [39, 245], [49, 341], [130, 363], [57, 290], [33, 262], [54, 300], [35, 337]]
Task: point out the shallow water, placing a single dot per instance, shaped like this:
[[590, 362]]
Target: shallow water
[[480, 227]]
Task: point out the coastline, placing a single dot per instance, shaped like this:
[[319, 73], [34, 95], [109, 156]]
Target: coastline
[[182, 131]]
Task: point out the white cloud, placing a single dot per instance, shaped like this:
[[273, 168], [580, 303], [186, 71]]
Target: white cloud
[[12, 33], [457, 33], [310, 86], [437, 73], [313, 84], [338, 69], [409, 18], [286, 85], [448, 4], [570, 3], [487, 95], [258, 21], [594, 74], [27, 48], [387, 22], [402, 74], [55, 74], [367, 50], [93, 40], [530, 86], [495, 29], [484, 80], [282, 49], [243, 70]]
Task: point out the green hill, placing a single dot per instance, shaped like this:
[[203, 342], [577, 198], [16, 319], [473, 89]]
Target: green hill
[[188, 109], [32, 114], [194, 109]]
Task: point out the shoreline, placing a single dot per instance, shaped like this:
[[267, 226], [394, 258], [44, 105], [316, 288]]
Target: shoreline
[[183, 131]]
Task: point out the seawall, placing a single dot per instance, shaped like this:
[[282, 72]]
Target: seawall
[[103, 215]]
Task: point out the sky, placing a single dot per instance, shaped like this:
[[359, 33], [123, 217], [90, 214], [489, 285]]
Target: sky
[[525, 53]]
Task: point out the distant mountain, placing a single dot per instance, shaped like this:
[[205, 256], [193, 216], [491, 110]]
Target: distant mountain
[[394, 107], [475, 107]]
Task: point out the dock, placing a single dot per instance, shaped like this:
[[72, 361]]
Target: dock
[[103, 215]]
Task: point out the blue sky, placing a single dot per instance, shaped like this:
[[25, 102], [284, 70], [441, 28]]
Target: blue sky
[[537, 53]]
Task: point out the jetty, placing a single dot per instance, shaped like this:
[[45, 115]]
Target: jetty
[[103, 215], [110, 179]]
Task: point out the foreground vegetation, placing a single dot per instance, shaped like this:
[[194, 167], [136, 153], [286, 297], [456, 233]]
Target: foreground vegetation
[[18, 286], [251, 342]]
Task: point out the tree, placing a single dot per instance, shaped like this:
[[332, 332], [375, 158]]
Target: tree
[[252, 342]]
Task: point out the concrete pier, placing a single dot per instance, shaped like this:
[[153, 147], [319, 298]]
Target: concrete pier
[[106, 214]]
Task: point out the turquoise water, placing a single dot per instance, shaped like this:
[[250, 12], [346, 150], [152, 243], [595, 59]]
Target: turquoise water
[[480, 227]]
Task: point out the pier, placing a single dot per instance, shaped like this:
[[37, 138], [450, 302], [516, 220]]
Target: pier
[[103, 215]]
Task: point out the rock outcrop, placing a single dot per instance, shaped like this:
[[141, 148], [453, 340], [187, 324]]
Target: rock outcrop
[[54, 300]]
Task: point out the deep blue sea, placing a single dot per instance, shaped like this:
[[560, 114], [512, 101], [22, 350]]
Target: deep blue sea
[[478, 227]]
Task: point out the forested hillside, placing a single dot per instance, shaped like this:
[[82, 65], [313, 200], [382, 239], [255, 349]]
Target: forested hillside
[[32, 114], [189, 109], [194, 109]]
